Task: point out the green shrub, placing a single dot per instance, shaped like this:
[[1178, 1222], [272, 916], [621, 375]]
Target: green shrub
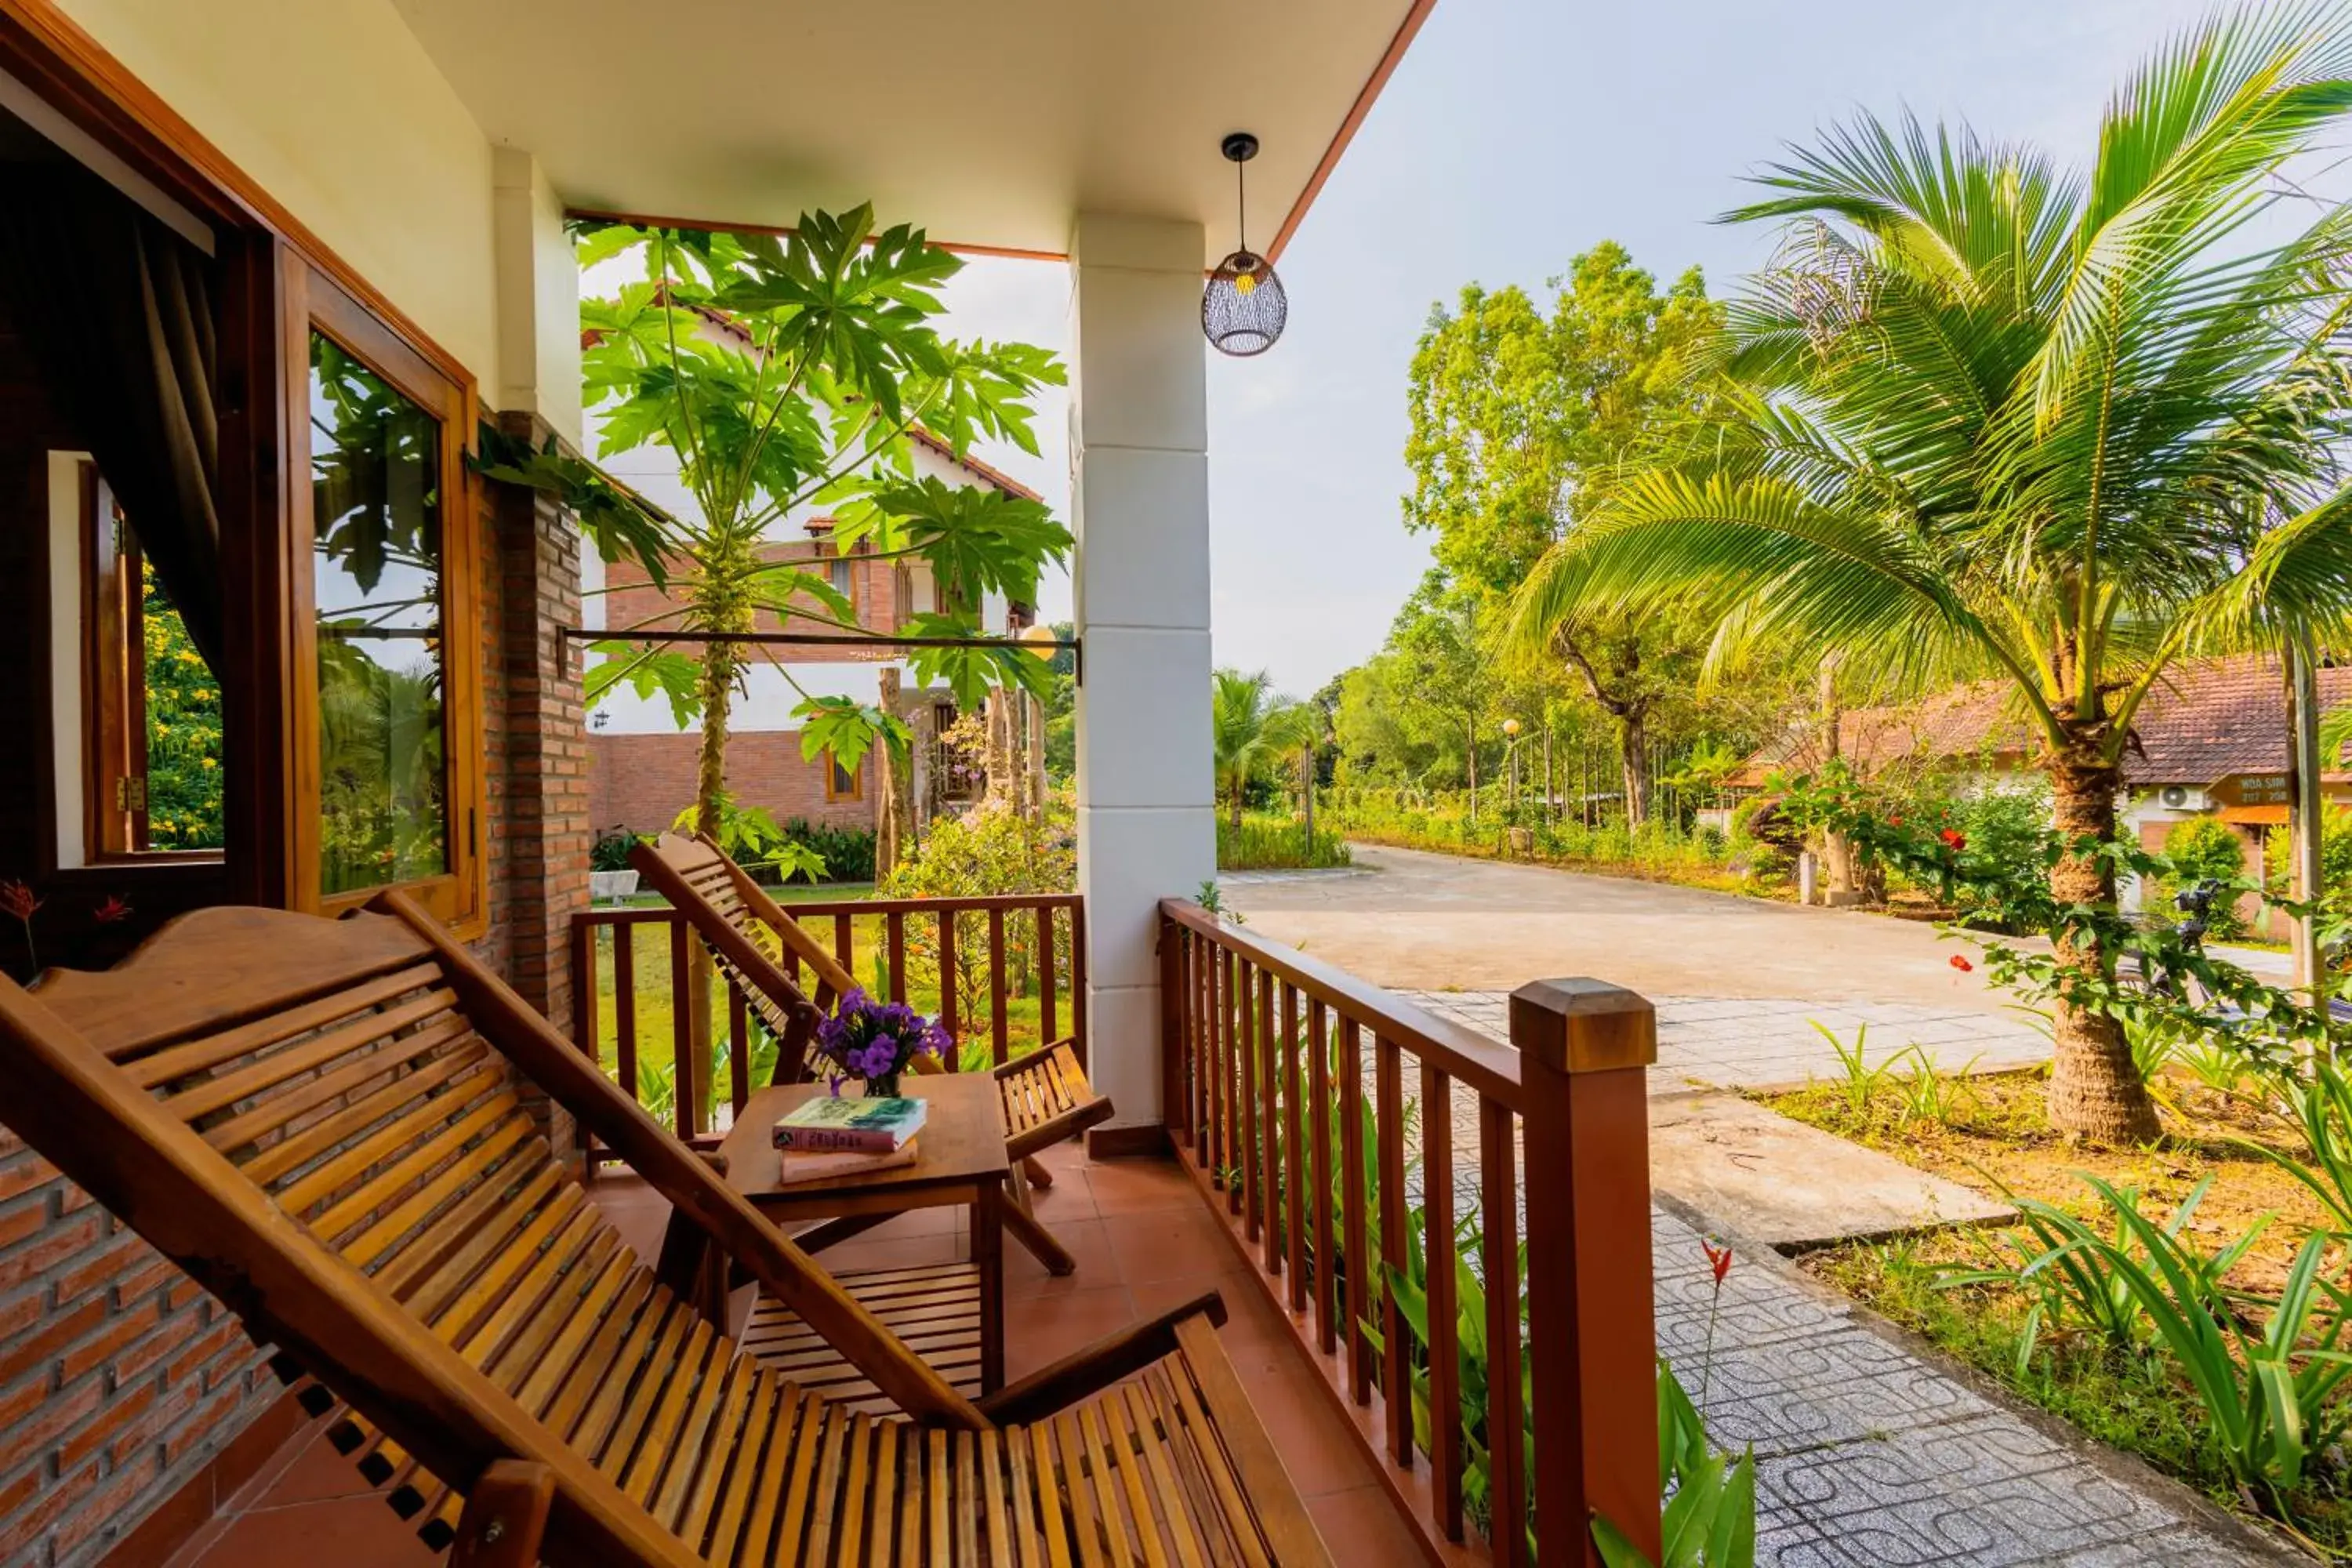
[[848, 852], [1275, 843], [2202, 848], [2335, 855], [991, 850]]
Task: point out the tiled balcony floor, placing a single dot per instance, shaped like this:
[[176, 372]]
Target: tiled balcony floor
[[1143, 1241]]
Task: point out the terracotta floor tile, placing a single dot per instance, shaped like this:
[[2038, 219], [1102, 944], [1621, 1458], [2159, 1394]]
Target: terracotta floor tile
[[1170, 1244], [1362, 1526], [1088, 1241], [351, 1532], [900, 1252], [1315, 1445], [318, 1474], [1044, 1330], [1136, 1186]]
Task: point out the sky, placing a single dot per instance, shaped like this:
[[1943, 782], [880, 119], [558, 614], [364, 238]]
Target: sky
[[1515, 136]]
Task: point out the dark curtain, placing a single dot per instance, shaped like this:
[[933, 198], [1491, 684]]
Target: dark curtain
[[116, 310]]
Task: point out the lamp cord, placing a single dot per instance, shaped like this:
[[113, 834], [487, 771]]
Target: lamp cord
[[1241, 200]]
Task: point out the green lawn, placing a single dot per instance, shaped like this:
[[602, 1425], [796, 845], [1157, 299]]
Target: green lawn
[[654, 1008]]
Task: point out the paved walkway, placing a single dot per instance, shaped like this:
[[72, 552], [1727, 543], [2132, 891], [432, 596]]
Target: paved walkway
[[1867, 1456]]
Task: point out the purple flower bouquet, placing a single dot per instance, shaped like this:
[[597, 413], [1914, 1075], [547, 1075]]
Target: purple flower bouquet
[[877, 1041]]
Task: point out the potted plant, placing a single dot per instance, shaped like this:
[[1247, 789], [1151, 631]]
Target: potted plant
[[876, 1041], [610, 877]]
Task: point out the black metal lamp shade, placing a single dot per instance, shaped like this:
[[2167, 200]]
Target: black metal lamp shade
[[1244, 308]]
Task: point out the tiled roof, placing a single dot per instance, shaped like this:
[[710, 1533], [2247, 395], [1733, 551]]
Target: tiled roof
[[2204, 721], [1963, 722], [2226, 716]]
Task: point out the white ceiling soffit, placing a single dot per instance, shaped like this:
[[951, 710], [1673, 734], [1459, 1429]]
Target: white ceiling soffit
[[991, 124]]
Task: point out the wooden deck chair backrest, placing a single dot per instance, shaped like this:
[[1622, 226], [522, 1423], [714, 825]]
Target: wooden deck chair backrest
[[751, 938], [322, 1122], [679, 863]]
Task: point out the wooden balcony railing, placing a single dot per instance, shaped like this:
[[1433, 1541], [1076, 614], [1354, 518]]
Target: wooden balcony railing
[[1004, 975], [1340, 1185]]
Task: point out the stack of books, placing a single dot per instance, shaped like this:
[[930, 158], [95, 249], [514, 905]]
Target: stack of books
[[826, 1137]]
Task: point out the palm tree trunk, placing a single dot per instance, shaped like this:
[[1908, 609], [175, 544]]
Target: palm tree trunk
[[1634, 738], [2096, 1091]]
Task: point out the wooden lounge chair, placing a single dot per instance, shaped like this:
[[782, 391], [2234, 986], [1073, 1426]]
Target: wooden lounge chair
[[1044, 1092], [332, 1126]]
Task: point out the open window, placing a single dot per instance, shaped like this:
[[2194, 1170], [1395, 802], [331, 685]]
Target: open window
[[394, 796], [143, 776]]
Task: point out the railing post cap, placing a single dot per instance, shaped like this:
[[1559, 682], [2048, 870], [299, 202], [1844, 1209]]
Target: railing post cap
[[1582, 1024]]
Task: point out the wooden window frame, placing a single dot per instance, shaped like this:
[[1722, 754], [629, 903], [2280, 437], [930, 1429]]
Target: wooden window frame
[[267, 257], [459, 897], [833, 794]]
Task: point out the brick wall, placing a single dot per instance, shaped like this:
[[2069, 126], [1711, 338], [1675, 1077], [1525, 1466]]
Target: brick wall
[[641, 781], [119, 1377], [633, 598]]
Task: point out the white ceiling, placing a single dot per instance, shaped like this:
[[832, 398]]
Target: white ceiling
[[991, 122]]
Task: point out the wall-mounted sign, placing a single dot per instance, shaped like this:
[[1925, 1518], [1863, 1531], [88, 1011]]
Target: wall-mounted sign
[[2251, 789]]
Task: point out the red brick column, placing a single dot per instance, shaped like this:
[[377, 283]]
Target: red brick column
[[539, 829]]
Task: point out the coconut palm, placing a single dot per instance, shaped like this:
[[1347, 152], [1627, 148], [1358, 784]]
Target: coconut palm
[[1992, 416], [1252, 727]]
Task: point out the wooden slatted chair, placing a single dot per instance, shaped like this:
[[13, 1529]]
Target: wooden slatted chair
[[1044, 1092], [332, 1126]]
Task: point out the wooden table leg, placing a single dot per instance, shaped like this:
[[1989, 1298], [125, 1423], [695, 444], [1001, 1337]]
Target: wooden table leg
[[1022, 1221], [988, 1253]]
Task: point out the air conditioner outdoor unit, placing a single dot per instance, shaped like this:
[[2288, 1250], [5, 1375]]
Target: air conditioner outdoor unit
[[2182, 797]]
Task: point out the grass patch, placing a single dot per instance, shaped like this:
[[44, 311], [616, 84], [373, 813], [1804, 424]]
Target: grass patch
[[1265, 842]]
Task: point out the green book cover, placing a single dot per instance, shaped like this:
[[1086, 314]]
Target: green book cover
[[845, 1122]]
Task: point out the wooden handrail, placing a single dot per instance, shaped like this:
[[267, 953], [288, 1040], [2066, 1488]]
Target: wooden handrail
[[1253, 1087], [811, 908]]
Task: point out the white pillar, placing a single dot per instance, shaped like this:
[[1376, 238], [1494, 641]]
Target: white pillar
[[1139, 487], [537, 297]]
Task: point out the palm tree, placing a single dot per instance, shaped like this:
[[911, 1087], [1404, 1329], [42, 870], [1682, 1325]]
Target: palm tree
[[1252, 727], [1991, 417]]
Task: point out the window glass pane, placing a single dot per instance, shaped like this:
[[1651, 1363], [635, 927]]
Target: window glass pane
[[184, 729], [840, 574], [375, 469]]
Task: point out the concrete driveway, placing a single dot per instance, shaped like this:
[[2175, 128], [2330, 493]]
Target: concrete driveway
[[1424, 921], [1739, 983]]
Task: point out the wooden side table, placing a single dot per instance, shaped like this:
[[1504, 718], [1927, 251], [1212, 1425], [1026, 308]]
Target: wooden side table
[[950, 1314]]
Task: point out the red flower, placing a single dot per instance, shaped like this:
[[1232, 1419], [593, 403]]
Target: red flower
[[15, 899], [1894, 822], [1954, 839], [1718, 1258], [1960, 962], [113, 910]]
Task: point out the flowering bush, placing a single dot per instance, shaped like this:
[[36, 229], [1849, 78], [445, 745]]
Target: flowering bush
[[877, 1041]]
